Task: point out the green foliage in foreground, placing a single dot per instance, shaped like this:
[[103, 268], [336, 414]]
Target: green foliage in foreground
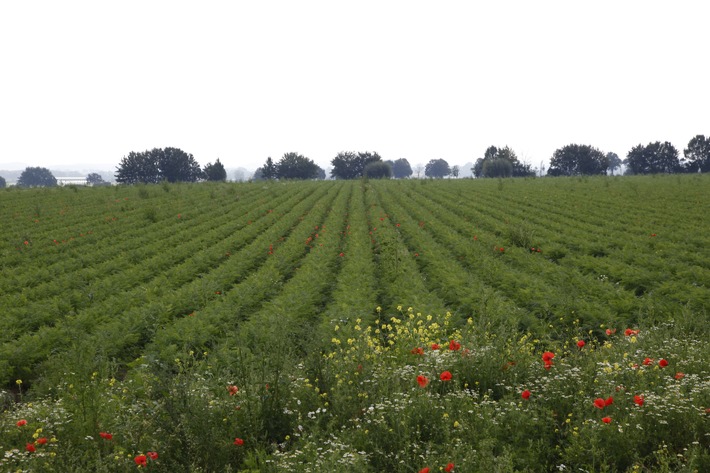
[[377, 398]]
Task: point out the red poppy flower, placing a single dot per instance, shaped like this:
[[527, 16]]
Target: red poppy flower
[[525, 394], [238, 442], [435, 346], [30, 447], [639, 400], [610, 331], [41, 440], [422, 380], [628, 332], [424, 470], [609, 401], [417, 351], [232, 389], [679, 375], [662, 362], [606, 420], [599, 403], [449, 468], [548, 356], [454, 345], [445, 376], [581, 344], [152, 455], [106, 436], [341, 254], [141, 460], [647, 361], [21, 422]]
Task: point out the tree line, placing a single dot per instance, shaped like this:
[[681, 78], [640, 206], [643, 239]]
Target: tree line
[[175, 165]]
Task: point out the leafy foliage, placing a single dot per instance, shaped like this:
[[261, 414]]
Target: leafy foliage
[[654, 158], [351, 165], [151, 167], [401, 168], [378, 170], [437, 168], [697, 154], [296, 166], [3, 183], [94, 179], [36, 177], [215, 172], [501, 162], [573, 160]]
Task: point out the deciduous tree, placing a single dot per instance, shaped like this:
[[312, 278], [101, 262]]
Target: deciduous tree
[[437, 168], [3, 183], [36, 177], [150, 167], [215, 172], [401, 169], [697, 154], [94, 179], [378, 170], [653, 158], [574, 160], [614, 161], [296, 166], [351, 165]]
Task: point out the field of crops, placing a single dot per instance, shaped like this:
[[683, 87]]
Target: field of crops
[[455, 325]]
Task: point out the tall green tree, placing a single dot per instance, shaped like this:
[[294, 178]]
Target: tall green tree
[[215, 172], [268, 170], [401, 168], [574, 160], [296, 166], [654, 158], [36, 177], [3, 183], [351, 165], [437, 168], [697, 154], [500, 162], [150, 167], [176, 165], [614, 161], [378, 170]]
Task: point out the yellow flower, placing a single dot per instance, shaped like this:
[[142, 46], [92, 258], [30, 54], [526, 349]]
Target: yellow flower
[[18, 382]]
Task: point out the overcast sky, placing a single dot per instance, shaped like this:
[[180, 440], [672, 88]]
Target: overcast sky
[[85, 82]]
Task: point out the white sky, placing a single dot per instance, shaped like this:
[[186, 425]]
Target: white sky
[[86, 82]]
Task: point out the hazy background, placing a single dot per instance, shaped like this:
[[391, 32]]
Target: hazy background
[[83, 83]]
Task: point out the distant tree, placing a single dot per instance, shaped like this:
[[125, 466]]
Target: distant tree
[[378, 170], [138, 167], [697, 154], [653, 158], [258, 174], [401, 169], [268, 170], [95, 179], [321, 174], [3, 183], [150, 167], [36, 177], [295, 166], [574, 160], [614, 161], [455, 171], [350, 165], [215, 172], [497, 167], [500, 162], [437, 168], [176, 165]]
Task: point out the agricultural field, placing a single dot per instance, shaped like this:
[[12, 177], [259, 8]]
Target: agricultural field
[[555, 324]]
